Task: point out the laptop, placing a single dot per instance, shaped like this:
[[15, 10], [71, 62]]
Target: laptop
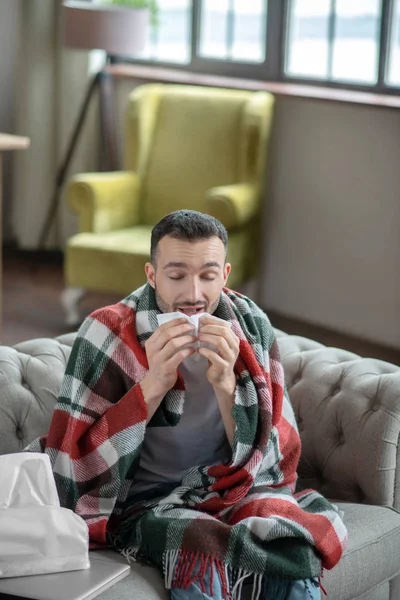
[[106, 569]]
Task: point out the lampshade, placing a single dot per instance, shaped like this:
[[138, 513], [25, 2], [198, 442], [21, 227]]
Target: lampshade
[[118, 30]]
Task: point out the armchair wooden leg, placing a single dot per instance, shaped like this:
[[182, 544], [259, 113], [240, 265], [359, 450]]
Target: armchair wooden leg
[[70, 298]]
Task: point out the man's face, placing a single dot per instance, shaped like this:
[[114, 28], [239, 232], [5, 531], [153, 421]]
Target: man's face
[[188, 276]]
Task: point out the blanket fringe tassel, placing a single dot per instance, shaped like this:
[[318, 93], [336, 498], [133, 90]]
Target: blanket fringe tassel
[[182, 569], [323, 590], [129, 553]]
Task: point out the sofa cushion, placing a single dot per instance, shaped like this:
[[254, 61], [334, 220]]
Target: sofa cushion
[[380, 592], [372, 555], [123, 254]]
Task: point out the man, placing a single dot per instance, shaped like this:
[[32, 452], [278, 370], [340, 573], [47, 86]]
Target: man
[[178, 445]]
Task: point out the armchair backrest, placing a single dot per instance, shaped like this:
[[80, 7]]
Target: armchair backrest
[[184, 140]]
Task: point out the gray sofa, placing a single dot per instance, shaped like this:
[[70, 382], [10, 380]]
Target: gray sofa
[[348, 412]]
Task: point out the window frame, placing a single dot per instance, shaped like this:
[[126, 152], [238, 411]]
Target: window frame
[[380, 87], [272, 69]]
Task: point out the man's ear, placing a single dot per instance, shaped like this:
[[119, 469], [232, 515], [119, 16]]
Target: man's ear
[[227, 270], [150, 274]]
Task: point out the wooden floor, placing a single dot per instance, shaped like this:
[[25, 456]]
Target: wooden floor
[[32, 283]]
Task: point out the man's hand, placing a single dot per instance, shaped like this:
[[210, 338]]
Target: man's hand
[[221, 362], [165, 352], [220, 372]]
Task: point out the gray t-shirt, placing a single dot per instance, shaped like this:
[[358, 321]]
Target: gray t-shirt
[[199, 439]]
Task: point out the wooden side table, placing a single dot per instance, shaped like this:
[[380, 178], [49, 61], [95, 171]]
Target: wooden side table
[[7, 143]]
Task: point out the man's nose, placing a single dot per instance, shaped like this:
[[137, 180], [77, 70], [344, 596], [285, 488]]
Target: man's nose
[[194, 290]]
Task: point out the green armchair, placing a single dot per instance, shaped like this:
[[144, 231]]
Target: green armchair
[[185, 147]]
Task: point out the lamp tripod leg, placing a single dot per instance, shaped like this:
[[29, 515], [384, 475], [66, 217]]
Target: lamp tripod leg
[[62, 171]]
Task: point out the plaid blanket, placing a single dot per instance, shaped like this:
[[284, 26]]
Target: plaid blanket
[[243, 517]]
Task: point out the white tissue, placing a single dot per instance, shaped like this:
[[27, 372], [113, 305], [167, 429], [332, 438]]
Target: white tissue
[[194, 319], [26, 479]]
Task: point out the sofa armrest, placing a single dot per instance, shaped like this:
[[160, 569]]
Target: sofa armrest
[[348, 414], [105, 201], [233, 205]]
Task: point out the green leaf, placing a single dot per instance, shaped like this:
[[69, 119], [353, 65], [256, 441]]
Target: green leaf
[[152, 5]]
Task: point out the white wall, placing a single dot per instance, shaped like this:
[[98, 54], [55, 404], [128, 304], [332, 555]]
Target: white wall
[[332, 250], [9, 47]]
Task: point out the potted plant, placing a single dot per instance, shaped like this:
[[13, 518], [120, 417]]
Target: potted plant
[[151, 5], [120, 27]]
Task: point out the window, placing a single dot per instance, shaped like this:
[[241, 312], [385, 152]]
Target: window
[[229, 30], [308, 40], [345, 43], [233, 30], [170, 41], [337, 41]]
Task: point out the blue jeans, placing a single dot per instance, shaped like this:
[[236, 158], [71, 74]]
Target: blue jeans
[[274, 589]]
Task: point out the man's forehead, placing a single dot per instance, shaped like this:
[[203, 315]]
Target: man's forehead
[[180, 253]]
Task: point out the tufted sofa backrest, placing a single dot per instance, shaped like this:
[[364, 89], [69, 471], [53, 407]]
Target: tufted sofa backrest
[[348, 413], [347, 409], [30, 379]]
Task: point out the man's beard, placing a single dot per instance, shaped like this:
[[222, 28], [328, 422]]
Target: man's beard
[[165, 308], [162, 305]]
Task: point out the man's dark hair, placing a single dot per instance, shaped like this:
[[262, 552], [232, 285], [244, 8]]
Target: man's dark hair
[[188, 225]]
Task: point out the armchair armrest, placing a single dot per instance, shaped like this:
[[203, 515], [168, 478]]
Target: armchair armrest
[[105, 201], [233, 205], [348, 413]]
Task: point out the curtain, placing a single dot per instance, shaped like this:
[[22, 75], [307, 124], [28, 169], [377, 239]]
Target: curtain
[[52, 82]]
